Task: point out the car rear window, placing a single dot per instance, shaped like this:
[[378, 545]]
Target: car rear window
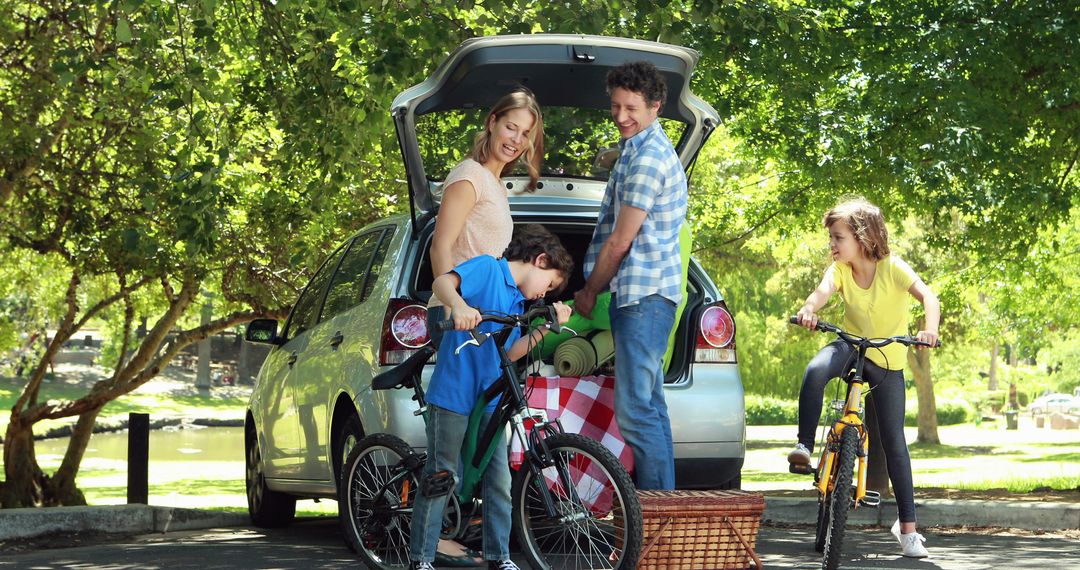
[[573, 139]]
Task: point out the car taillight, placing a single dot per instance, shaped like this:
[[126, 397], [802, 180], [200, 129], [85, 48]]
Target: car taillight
[[715, 335], [404, 331]]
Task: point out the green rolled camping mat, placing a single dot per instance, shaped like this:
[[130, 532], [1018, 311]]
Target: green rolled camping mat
[[580, 356]]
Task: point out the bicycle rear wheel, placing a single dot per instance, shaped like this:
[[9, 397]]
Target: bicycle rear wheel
[[841, 499], [376, 517], [597, 522]]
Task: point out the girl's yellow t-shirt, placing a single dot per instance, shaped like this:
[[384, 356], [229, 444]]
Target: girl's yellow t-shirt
[[880, 310]]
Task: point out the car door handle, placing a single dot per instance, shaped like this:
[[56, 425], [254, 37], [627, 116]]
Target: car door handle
[[337, 339], [292, 359]]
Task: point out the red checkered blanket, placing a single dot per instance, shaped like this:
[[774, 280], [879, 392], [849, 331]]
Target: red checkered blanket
[[585, 406]]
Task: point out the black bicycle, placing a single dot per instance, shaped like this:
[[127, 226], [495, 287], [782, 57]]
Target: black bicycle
[[846, 440], [574, 504]]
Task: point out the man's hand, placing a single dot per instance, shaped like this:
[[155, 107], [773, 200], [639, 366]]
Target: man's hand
[[584, 302]]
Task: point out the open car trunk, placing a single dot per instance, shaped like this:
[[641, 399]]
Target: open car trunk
[[575, 238]]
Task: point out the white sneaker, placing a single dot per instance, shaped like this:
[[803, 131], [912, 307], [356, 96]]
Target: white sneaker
[[799, 456], [910, 543]]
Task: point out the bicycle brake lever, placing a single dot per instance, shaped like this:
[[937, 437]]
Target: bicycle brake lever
[[478, 338], [471, 341]]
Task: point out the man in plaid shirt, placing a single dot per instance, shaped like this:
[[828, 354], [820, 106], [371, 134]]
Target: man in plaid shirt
[[635, 253]]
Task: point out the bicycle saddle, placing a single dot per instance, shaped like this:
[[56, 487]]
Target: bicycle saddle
[[402, 375]]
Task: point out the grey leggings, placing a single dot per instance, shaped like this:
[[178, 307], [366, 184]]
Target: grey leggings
[[887, 398]]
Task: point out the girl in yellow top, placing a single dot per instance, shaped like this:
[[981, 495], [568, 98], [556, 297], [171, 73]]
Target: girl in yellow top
[[874, 286]]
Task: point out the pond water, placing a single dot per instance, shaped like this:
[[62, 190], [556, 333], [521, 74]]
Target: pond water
[[195, 467], [212, 444]]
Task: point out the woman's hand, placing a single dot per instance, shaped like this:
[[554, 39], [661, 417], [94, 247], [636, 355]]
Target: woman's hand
[[563, 312], [807, 317], [929, 337], [465, 317]]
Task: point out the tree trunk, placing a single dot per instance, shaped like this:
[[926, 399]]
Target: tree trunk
[[992, 381], [27, 485], [919, 363], [243, 369], [62, 489], [25, 481]]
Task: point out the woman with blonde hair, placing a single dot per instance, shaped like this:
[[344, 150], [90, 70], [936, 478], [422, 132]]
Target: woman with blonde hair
[[474, 216]]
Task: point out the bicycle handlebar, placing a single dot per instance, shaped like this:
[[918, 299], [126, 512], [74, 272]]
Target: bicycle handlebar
[[540, 309], [906, 340]]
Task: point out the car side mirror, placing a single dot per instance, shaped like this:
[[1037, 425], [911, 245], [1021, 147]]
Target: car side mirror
[[263, 331]]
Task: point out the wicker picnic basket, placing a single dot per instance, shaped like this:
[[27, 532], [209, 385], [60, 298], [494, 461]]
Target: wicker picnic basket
[[700, 530]]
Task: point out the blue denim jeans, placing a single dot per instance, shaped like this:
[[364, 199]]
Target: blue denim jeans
[[445, 434], [641, 336]]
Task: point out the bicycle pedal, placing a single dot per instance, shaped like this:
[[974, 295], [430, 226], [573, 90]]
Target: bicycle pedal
[[421, 411], [800, 469], [872, 499]]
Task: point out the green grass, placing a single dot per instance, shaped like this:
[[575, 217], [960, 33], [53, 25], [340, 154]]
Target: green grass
[[1020, 485], [970, 457]]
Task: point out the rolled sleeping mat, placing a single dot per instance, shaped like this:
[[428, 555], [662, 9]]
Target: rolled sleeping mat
[[604, 344], [575, 357], [580, 356]]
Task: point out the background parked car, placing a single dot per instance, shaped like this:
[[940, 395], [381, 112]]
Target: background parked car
[[1050, 403], [364, 311]]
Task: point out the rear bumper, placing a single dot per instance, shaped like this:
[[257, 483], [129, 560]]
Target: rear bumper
[[706, 473]]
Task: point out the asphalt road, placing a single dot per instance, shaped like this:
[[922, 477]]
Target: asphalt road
[[316, 544]]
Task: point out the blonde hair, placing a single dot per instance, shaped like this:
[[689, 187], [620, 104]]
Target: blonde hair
[[520, 98], [865, 221]]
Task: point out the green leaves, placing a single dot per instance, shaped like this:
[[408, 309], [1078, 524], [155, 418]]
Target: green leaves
[[123, 30]]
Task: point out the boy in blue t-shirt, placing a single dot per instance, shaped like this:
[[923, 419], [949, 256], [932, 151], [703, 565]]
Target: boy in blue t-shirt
[[533, 265]]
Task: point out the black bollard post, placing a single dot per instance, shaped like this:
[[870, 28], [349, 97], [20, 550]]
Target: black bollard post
[[138, 458]]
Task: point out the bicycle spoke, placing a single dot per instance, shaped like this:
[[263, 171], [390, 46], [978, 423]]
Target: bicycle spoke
[[589, 513], [379, 500]]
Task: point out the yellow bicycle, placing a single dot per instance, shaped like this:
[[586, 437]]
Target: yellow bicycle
[[845, 442]]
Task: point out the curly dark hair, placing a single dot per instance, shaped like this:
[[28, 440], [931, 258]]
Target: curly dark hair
[[639, 77], [533, 240]]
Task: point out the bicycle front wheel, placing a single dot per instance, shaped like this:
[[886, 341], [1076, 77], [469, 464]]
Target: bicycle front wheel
[[841, 499], [597, 517], [375, 500]]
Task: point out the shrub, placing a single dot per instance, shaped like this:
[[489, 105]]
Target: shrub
[[949, 412], [766, 410]]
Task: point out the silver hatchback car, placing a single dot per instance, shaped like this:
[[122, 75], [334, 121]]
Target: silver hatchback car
[[363, 311]]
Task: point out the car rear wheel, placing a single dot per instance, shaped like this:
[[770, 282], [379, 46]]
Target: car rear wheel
[[267, 508], [734, 483], [345, 440]]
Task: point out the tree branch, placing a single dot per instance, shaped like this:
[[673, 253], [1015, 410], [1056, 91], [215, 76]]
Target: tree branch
[[783, 206]]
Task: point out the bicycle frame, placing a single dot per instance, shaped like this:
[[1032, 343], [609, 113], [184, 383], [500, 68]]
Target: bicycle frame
[[479, 447], [851, 416]]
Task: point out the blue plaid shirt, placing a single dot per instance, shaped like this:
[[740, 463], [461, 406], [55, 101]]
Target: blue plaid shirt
[[649, 176]]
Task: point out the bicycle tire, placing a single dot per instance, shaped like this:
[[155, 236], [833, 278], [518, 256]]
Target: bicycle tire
[[841, 499], [370, 522], [601, 522]]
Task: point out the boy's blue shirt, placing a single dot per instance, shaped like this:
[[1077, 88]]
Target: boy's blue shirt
[[459, 380]]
